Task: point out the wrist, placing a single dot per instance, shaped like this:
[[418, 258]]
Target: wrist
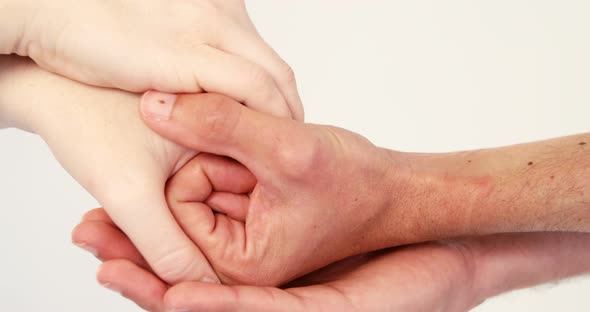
[[430, 197], [14, 25], [15, 101]]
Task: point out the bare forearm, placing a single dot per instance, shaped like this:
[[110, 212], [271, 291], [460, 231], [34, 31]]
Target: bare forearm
[[504, 262], [540, 186]]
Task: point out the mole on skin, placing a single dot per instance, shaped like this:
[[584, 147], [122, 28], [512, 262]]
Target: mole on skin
[[582, 143], [162, 101], [530, 163]]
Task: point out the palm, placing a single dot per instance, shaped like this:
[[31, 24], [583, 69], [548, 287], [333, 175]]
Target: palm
[[413, 278]]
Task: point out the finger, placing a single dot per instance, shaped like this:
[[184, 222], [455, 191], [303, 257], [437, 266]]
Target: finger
[[217, 71], [133, 282], [187, 192], [217, 298], [219, 125], [142, 212], [233, 205], [222, 174], [98, 214], [252, 47], [218, 181], [107, 242], [135, 200]]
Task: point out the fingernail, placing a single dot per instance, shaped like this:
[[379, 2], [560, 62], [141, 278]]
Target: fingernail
[[177, 310], [157, 105], [209, 280], [110, 286], [90, 249]]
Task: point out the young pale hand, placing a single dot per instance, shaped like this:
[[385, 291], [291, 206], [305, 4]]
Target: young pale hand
[[99, 138], [170, 46], [449, 276]]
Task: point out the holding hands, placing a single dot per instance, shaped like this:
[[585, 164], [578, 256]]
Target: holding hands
[[271, 201], [291, 199]]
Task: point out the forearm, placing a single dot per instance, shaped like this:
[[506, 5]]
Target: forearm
[[540, 186], [504, 262]]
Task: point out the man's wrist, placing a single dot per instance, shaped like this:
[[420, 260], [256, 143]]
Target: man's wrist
[[431, 197]]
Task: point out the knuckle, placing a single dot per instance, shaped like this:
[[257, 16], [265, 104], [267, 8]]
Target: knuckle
[[302, 156], [261, 78], [216, 118], [288, 74]]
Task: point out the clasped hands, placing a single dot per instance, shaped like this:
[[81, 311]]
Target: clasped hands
[[270, 199], [289, 198]]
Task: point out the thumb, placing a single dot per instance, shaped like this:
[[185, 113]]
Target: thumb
[[143, 214], [219, 125]]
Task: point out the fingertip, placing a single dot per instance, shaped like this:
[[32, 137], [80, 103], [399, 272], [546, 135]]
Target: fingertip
[[157, 106], [96, 214], [101, 277]]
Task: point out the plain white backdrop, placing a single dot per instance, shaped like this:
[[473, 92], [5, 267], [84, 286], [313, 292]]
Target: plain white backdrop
[[421, 75]]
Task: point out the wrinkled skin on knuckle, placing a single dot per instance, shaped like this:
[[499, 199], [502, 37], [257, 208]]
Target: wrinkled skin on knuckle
[[260, 78], [304, 155], [215, 118], [288, 74], [261, 263]]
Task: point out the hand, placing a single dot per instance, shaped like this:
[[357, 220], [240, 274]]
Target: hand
[[170, 46], [99, 138], [305, 196], [442, 276], [339, 195]]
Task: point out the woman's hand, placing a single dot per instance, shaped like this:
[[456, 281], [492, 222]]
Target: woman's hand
[[440, 276], [170, 46], [99, 138]]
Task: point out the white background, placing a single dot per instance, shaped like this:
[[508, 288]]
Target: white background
[[421, 75]]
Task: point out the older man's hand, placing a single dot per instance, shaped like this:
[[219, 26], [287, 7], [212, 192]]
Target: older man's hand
[[292, 198], [443, 276]]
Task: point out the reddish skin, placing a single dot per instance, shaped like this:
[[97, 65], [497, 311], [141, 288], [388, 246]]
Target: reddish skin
[[340, 195], [446, 276]]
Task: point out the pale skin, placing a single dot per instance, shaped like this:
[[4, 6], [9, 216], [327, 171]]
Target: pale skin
[[98, 137], [170, 46]]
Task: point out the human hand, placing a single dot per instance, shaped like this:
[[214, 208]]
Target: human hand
[[305, 196], [170, 46], [439, 276], [99, 138]]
